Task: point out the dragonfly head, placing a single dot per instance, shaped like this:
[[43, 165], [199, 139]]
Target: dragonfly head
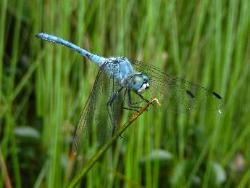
[[139, 82]]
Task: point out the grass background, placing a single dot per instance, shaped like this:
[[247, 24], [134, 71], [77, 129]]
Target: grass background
[[43, 88]]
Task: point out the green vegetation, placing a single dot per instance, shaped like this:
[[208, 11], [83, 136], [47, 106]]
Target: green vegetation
[[44, 87]]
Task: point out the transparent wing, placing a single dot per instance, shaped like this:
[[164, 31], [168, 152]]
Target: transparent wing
[[97, 120], [176, 93], [88, 111]]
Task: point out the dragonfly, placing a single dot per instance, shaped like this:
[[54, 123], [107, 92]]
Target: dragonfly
[[125, 84]]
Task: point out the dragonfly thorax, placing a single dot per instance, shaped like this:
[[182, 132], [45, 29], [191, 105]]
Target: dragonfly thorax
[[138, 82]]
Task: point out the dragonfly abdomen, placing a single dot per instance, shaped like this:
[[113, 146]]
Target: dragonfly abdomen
[[92, 57]]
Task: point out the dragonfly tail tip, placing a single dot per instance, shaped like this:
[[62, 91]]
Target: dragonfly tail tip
[[40, 35]]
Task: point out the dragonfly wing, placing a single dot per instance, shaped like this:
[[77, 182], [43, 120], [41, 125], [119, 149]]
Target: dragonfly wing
[[87, 113], [177, 93], [97, 120]]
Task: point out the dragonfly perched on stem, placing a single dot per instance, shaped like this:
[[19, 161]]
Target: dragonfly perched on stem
[[126, 84]]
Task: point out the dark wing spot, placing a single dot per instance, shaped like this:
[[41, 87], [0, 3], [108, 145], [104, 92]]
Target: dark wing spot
[[190, 93], [217, 95]]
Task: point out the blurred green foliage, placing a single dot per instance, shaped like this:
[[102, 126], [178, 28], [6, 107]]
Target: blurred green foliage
[[43, 88]]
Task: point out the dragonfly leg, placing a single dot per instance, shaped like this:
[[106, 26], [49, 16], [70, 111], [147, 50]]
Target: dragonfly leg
[[131, 106], [134, 104], [110, 102], [131, 109], [130, 103], [146, 100]]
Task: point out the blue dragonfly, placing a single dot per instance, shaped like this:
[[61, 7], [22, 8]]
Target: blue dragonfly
[[126, 84]]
